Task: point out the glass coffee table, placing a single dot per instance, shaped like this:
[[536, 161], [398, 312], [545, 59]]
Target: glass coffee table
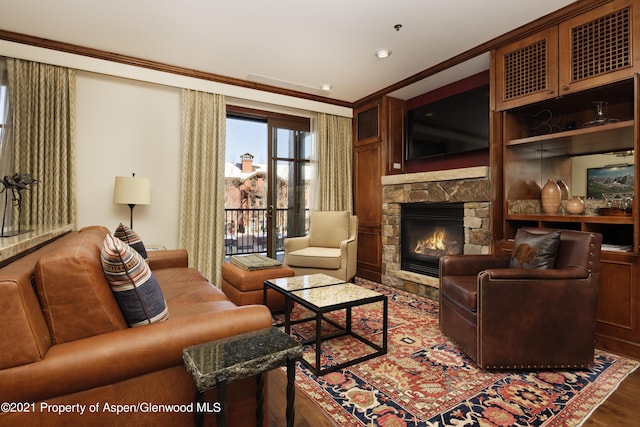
[[322, 294]]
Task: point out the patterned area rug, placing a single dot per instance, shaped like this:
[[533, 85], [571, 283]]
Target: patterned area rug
[[424, 380]]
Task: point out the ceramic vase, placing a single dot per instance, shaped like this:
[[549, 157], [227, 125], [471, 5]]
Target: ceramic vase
[[550, 196], [575, 206], [564, 190]]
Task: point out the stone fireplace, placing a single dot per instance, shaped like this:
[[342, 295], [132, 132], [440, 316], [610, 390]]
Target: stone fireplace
[[429, 231], [466, 188]]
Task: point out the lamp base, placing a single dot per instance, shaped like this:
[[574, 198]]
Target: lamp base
[[131, 206]]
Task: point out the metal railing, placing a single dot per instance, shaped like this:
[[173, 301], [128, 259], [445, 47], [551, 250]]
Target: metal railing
[[245, 230]]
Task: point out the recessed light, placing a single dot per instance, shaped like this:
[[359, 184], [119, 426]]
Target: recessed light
[[383, 53], [326, 87]]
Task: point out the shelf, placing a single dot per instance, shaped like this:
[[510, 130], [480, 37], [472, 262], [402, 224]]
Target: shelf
[[597, 139], [594, 219]]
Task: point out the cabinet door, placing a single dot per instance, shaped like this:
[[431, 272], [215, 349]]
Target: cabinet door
[[367, 195], [396, 112], [598, 47], [527, 70], [367, 124]]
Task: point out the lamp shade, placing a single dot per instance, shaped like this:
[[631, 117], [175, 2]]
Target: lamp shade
[[131, 190]]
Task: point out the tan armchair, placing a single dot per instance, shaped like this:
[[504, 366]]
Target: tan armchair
[[504, 316], [329, 248]]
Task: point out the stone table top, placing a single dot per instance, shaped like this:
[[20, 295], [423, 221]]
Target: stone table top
[[308, 281], [336, 295], [239, 357]]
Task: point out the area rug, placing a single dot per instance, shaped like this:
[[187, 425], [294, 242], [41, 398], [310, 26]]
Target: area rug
[[425, 380]]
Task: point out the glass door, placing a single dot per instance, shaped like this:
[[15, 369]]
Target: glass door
[[289, 183], [267, 181]]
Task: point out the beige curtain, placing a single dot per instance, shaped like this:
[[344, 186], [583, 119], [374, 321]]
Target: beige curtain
[[201, 229], [42, 136], [333, 139]]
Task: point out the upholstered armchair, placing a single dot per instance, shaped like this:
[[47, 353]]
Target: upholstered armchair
[[329, 248], [535, 308]]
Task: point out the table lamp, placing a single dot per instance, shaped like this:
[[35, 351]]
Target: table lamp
[[129, 190]]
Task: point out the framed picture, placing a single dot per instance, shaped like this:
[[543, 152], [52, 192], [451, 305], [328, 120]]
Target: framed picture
[[609, 179]]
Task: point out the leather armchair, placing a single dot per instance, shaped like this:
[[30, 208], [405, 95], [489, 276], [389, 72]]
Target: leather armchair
[[513, 318], [330, 247]]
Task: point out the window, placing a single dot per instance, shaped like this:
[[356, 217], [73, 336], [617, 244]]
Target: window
[[267, 180]]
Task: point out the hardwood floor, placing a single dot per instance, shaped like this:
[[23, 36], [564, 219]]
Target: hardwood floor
[[622, 408]]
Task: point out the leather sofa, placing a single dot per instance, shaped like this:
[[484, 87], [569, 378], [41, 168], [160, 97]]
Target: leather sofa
[[515, 318], [64, 341]]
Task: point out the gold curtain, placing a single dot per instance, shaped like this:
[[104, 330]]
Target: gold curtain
[[201, 229], [334, 162], [42, 133]]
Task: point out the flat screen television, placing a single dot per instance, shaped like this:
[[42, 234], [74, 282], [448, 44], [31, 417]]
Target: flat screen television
[[452, 125]]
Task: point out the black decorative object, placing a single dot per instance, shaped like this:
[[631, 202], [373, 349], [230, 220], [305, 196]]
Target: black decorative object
[[15, 183], [542, 123]]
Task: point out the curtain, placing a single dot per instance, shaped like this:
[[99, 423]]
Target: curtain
[[201, 229], [333, 165], [6, 152], [42, 136]]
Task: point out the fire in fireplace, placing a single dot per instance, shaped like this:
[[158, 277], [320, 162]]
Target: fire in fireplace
[[430, 231]]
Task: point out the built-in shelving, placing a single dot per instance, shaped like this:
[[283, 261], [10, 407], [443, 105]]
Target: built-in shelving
[[591, 140]]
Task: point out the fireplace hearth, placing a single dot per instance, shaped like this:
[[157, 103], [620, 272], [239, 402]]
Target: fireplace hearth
[[428, 232]]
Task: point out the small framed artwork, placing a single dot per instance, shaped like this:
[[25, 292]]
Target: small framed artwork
[[609, 179]]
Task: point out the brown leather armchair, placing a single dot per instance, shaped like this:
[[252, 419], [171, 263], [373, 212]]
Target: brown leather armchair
[[514, 318]]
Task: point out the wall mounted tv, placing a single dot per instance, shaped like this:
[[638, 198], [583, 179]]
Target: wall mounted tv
[[452, 125]]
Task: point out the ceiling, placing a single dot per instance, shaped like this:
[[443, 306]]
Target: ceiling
[[291, 44]]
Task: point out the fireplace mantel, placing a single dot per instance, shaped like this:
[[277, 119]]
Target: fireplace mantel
[[444, 175], [467, 185]]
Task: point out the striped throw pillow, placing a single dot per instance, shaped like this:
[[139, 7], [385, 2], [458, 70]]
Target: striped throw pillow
[[131, 238], [135, 287]]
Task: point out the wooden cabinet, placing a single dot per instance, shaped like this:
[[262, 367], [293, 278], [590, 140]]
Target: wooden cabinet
[[378, 150], [527, 70], [557, 139], [395, 112], [587, 51]]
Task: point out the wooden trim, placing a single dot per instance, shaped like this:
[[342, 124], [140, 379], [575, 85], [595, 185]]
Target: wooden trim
[[158, 66]]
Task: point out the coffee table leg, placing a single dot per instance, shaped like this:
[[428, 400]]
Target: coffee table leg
[[287, 314], [259, 399], [318, 340], [291, 390]]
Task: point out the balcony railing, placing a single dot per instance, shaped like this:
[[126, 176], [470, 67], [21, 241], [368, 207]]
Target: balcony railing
[[245, 230]]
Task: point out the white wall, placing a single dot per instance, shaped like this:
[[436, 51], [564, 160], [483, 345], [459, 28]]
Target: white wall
[[125, 126], [128, 120]]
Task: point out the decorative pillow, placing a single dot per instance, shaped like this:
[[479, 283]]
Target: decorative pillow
[[131, 238], [535, 251], [135, 287]]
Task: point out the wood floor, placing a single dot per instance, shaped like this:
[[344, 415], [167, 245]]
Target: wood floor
[[622, 408]]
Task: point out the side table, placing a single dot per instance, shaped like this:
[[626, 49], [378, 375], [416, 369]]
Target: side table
[[217, 363]]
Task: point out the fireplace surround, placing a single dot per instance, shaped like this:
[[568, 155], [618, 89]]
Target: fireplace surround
[[428, 232], [468, 187]]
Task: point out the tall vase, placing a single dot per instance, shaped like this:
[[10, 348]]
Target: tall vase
[[550, 196], [564, 189]]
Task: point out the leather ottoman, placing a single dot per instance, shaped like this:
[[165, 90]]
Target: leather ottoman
[[244, 287]]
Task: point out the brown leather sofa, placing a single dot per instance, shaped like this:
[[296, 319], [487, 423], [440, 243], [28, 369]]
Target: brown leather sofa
[[513, 318], [64, 341]]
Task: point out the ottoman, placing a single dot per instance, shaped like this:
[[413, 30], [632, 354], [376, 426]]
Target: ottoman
[[244, 287]]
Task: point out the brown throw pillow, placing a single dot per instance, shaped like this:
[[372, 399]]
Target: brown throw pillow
[[535, 251]]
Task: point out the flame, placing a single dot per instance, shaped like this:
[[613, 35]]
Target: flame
[[434, 242]]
